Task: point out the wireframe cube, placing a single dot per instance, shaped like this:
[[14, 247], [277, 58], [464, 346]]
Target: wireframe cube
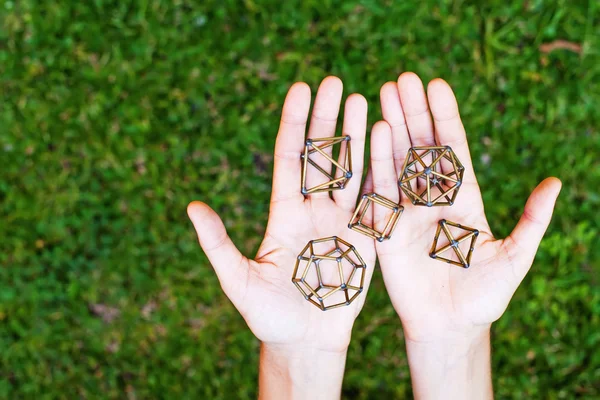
[[341, 172], [463, 261], [329, 273], [437, 169], [356, 223]]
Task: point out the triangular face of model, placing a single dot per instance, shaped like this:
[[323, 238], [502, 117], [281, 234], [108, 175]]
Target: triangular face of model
[[333, 174], [456, 245]]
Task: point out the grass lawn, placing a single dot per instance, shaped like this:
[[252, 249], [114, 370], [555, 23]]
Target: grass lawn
[[115, 114]]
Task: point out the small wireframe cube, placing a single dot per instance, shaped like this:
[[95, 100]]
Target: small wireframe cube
[[440, 172], [464, 260], [356, 223], [330, 276], [342, 172]]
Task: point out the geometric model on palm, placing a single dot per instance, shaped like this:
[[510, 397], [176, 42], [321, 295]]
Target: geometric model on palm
[[356, 223], [329, 273], [454, 244], [314, 155], [431, 176]]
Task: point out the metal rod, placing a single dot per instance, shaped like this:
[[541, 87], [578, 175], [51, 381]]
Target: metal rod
[[385, 234], [418, 174], [332, 291], [398, 215], [335, 306], [351, 276], [439, 157], [350, 261], [443, 176], [333, 182], [471, 249], [365, 204], [319, 277], [355, 295], [342, 241], [366, 231], [320, 169], [334, 139], [383, 201], [348, 161]]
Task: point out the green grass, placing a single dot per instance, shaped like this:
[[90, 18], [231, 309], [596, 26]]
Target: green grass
[[115, 114]]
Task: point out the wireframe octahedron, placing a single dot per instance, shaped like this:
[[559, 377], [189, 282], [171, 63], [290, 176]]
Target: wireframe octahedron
[[356, 223], [431, 176], [329, 272], [317, 157], [454, 244]]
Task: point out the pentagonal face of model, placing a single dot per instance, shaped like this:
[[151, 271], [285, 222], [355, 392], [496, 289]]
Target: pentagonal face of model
[[456, 245], [431, 176], [317, 157], [329, 272]]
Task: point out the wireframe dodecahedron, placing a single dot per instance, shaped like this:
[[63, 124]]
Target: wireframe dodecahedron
[[431, 176], [329, 273], [357, 224], [462, 260], [316, 156]]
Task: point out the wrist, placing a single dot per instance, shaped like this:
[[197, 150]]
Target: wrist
[[451, 364], [456, 333], [297, 371]]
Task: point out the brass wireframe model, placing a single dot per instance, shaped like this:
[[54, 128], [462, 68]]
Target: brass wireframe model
[[336, 276], [440, 178], [464, 261], [356, 223], [340, 174]]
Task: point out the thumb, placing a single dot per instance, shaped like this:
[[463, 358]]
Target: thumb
[[525, 238], [229, 264]]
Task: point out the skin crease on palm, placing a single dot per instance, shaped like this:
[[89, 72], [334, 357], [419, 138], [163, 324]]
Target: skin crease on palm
[[432, 298]]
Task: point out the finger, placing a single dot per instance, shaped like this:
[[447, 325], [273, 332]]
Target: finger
[[355, 126], [229, 264], [522, 243], [393, 114], [416, 109], [368, 183], [290, 144], [449, 129], [368, 188], [322, 125], [384, 173]]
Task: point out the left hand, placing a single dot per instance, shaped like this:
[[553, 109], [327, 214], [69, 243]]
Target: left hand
[[261, 288]]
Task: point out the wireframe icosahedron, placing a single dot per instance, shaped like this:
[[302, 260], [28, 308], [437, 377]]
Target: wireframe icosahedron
[[431, 176], [342, 171], [329, 273], [357, 224], [463, 260]]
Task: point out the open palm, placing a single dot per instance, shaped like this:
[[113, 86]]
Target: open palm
[[431, 296], [261, 289]]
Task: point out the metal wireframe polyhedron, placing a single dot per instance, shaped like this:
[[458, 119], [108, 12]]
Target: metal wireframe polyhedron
[[356, 223], [341, 173], [463, 260], [333, 278], [431, 176]]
